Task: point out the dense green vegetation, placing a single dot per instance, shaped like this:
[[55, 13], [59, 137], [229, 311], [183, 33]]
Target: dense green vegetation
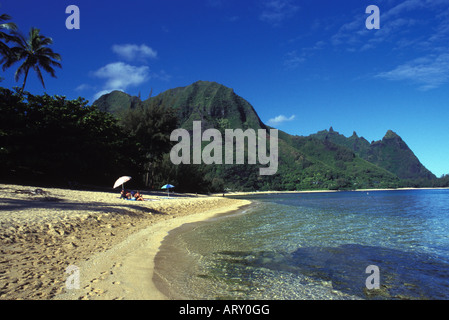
[[149, 127], [51, 139]]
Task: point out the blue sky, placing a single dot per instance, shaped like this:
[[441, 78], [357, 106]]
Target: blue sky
[[304, 65]]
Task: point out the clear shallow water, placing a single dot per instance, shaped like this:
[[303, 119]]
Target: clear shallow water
[[314, 246]]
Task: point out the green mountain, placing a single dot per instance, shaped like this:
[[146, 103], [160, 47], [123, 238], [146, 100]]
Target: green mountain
[[116, 102], [326, 160], [214, 104], [390, 153]]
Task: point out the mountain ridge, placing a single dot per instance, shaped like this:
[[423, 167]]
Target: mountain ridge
[[390, 153], [326, 159]]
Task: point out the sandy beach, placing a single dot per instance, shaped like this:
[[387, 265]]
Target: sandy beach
[[109, 242]]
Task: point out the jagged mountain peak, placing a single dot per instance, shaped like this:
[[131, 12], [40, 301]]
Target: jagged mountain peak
[[390, 153], [391, 135]]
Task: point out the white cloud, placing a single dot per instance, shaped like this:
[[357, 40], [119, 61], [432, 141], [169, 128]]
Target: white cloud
[[410, 5], [119, 76], [428, 72], [293, 59], [133, 52], [347, 33], [161, 75], [276, 11], [280, 119], [83, 87]]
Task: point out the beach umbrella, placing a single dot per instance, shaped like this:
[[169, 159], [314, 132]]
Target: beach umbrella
[[167, 186], [121, 181]]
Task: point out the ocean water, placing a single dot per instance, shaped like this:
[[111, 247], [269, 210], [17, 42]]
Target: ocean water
[[314, 246]]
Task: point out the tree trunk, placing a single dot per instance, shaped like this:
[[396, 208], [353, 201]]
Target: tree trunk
[[25, 79]]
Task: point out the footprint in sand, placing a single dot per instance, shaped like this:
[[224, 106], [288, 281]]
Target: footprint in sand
[[99, 291]]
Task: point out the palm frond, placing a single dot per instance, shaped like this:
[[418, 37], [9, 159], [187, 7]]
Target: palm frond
[[18, 39], [34, 52], [7, 25]]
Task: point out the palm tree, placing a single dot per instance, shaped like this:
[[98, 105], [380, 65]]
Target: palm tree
[[35, 54], [4, 49]]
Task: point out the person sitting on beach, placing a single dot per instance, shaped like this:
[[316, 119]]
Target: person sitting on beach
[[131, 195], [138, 196], [125, 194]]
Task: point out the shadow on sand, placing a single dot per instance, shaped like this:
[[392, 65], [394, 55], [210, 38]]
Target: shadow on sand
[[49, 202]]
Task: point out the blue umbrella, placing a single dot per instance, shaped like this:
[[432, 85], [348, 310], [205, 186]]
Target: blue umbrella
[[167, 186]]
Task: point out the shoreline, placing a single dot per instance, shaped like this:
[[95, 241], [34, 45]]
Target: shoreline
[[163, 283], [132, 277], [112, 242], [243, 193]]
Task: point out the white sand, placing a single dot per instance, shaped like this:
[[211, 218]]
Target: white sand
[[126, 270], [111, 241]]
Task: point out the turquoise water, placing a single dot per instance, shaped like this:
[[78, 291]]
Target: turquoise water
[[314, 246]]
